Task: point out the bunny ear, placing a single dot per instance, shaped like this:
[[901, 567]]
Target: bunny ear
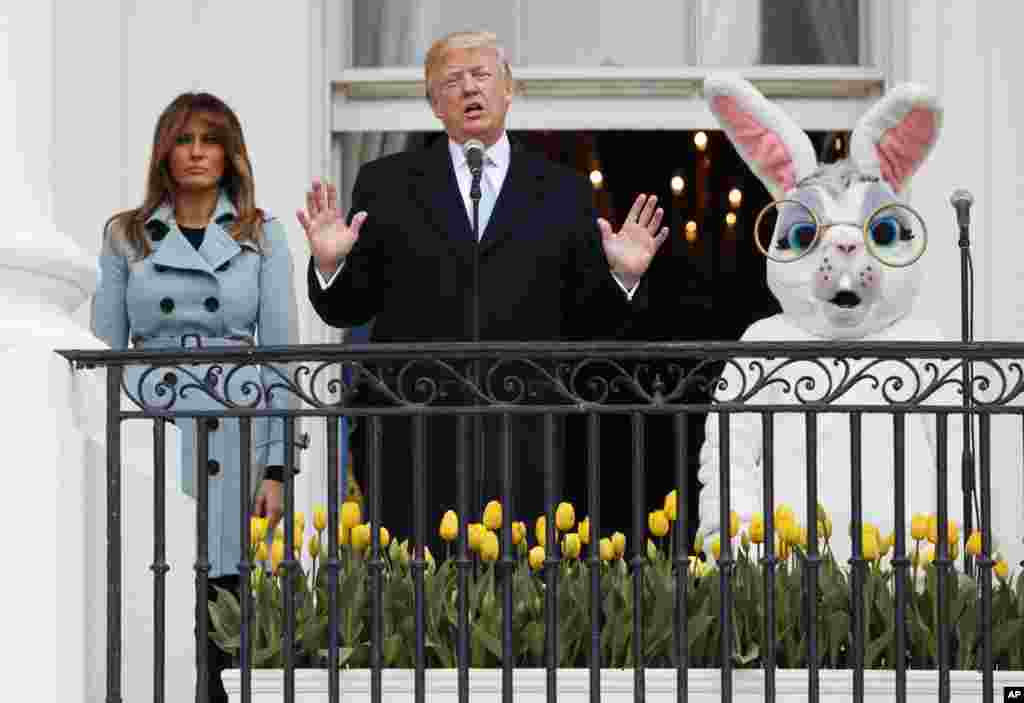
[[773, 145], [895, 136]]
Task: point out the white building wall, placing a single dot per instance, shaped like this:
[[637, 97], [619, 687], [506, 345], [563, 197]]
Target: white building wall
[[970, 54]]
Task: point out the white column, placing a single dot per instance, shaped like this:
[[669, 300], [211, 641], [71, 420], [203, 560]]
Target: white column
[[44, 277], [970, 58]]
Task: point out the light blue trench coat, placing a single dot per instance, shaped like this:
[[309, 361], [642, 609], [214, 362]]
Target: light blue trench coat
[[225, 293]]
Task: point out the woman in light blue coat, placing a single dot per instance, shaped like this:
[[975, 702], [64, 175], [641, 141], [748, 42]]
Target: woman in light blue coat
[[199, 265]]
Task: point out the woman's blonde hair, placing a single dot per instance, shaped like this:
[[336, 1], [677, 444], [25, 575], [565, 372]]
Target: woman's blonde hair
[[437, 54], [237, 181]]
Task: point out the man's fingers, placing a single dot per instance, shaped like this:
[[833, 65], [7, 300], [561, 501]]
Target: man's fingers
[[656, 221], [303, 220], [660, 239], [648, 211], [357, 222], [332, 197], [311, 206], [318, 197], [605, 227]]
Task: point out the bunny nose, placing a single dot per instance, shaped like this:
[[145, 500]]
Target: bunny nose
[[847, 248]]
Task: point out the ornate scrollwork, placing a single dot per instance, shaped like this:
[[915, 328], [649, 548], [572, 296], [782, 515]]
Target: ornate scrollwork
[[416, 380]]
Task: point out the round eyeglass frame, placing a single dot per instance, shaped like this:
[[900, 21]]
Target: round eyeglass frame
[[819, 226]]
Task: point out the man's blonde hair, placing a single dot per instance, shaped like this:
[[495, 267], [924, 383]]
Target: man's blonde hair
[[437, 54]]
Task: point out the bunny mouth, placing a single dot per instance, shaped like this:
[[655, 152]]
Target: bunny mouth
[[846, 299]]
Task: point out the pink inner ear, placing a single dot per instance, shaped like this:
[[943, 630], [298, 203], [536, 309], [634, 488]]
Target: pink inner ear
[[902, 148], [759, 144]]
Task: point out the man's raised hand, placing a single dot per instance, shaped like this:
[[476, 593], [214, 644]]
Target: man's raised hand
[[630, 250], [330, 239]]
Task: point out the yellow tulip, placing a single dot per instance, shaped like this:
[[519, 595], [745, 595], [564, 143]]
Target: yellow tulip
[[886, 546], [974, 543], [619, 544], [279, 532], [492, 515], [802, 540], [476, 535], [361, 536], [385, 537], [583, 529], [919, 527], [257, 529], [428, 558], [652, 551], [670, 506], [698, 542], [565, 517], [791, 533], [300, 522], [745, 539], [953, 531], [606, 549], [351, 514], [489, 546], [319, 518], [314, 545], [927, 556], [403, 552], [757, 529], [571, 546], [734, 524], [276, 555], [933, 528], [540, 530], [716, 547], [783, 512], [344, 535], [261, 551], [518, 532], [658, 523], [449, 529], [869, 544], [1002, 569], [537, 558]]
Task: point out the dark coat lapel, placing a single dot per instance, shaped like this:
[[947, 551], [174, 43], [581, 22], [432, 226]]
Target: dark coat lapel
[[437, 192], [518, 201]]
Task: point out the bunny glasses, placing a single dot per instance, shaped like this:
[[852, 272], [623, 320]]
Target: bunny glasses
[[788, 230]]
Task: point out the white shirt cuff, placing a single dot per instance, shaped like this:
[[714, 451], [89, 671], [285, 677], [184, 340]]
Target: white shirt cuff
[[628, 291], [325, 284]]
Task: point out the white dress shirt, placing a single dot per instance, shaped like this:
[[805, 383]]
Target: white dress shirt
[[496, 162]]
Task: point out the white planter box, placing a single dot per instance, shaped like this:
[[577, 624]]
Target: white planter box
[[616, 686]]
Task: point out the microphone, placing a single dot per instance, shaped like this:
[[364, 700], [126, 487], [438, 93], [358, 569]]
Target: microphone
[[473, 149], [961, 200]]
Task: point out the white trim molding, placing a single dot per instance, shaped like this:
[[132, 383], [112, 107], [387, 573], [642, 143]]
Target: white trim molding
[[610, 97]]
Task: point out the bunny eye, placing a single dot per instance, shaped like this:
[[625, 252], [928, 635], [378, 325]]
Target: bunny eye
[[886, 231], [797, 237]]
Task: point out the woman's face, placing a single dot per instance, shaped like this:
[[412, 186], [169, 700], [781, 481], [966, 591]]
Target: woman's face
[[197, 157]]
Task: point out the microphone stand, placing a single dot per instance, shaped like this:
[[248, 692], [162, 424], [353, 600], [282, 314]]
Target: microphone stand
[[966, 336], [478, 443]]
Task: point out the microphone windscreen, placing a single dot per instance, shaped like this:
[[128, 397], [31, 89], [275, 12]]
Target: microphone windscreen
[[961, 196]]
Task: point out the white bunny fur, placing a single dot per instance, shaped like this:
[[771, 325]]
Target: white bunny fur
[[844, 192]]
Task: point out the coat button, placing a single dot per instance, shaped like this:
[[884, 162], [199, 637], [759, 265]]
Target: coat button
[[167, 306], [160, 268], [213, 466], [171, 378], [223, 267], [212, 424], [212, 304]]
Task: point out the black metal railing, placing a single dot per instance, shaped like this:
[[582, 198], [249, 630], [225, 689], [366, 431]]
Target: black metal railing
[[595, 380]]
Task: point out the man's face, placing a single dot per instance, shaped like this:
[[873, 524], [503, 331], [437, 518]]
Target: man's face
[[471, 94]]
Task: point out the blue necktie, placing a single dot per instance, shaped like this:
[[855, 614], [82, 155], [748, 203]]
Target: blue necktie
[[487, 198]]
